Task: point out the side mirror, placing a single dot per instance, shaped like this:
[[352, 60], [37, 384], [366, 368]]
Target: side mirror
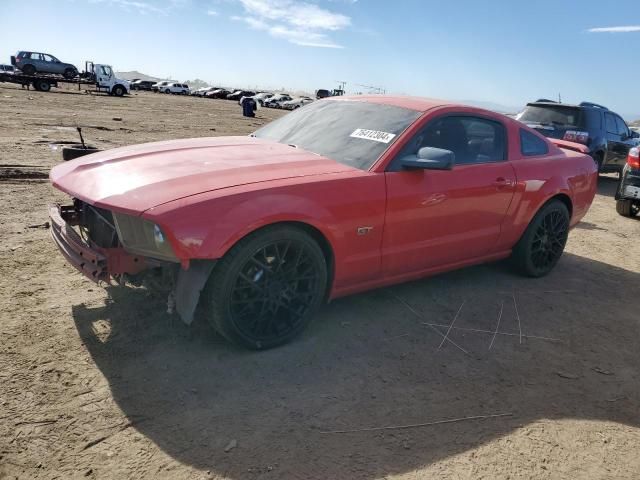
[[430, 158], [634, 134]]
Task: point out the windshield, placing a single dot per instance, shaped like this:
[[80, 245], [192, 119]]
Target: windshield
[[350, 132], [552, 115]]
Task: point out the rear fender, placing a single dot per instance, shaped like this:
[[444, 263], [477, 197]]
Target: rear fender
[[529, 198]]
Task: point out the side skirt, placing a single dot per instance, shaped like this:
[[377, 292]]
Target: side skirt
[[406, 277]]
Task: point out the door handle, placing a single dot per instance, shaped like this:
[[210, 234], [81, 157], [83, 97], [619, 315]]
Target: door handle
[[502, 182]]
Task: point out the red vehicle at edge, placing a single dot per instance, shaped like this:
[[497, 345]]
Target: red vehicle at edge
[[341, 196]]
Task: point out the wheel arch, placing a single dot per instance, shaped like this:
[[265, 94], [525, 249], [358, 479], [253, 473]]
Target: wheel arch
[[314, 232], [564, 198], [191, 282]]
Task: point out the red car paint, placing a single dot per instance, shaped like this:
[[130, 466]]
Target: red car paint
[[208, 193]]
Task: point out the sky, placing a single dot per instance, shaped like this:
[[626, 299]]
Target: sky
[[504, 52]]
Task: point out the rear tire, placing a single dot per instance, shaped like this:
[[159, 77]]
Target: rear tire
[[42, 85], [74, 151], [543, 242], [28, 70], [627, 208], [265, 290]]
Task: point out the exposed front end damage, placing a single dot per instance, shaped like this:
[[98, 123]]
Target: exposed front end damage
[[90, 240]]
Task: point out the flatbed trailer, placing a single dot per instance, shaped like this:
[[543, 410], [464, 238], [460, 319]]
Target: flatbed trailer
[[100, 77]]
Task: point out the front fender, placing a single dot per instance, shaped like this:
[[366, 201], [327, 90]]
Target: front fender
[[251, 214], [207, 225]]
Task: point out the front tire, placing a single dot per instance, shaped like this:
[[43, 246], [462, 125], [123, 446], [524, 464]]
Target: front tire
[[70, 73], [265, 290], [543, 242], [118, 90]]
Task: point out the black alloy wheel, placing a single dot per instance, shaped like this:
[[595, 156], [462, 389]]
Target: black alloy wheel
[[543, 242], [265, 290]]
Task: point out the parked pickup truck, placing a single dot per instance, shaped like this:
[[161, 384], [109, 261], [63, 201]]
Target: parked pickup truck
[[344, 195]]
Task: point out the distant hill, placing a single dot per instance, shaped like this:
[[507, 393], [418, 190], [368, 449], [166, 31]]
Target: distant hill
[[496, 107], [135, 74], [196, 84]]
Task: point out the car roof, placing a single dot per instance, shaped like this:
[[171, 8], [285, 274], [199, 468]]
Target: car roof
[[418, 104], [551, 103]]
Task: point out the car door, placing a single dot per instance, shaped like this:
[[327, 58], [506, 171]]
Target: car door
[[53, 65], [36, 60], [616, 146], [442, 217]]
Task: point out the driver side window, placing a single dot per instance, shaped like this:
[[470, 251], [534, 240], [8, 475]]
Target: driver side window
[[471, 139]]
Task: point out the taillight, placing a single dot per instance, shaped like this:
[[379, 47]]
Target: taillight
[[576, 136], [633, 159]]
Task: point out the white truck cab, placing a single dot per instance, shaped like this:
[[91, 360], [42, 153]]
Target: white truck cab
[[106, 79]]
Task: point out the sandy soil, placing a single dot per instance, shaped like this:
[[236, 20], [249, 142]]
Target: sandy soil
[[101, 383]]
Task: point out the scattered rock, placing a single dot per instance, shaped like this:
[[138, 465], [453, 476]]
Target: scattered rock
[[601, 371], [117, 119], [569, 376], [232, 444]]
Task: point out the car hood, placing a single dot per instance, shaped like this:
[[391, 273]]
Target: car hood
[[135, 178]]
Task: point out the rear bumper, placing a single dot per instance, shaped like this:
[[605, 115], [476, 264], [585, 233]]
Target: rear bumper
[[630, 178], [91, 263]]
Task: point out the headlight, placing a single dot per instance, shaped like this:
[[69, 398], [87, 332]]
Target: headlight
[[143, 237]]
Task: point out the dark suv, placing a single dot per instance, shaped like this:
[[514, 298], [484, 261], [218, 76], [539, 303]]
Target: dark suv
[[604, 132]]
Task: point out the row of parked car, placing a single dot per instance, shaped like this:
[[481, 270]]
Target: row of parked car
[[263, 99]]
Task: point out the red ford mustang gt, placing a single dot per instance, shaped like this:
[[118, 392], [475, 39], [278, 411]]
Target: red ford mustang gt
[[338, 197]]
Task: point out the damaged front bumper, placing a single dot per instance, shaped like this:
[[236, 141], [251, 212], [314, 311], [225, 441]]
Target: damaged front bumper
[[94, 262], [116, 264], [90, 262]]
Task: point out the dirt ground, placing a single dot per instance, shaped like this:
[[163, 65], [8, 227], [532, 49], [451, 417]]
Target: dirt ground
[[99, 383]]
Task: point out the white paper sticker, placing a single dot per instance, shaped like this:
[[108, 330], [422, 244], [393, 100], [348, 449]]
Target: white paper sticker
[[375, 135]]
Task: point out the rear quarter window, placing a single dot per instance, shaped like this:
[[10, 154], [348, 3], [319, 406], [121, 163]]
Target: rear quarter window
[[531, 145]]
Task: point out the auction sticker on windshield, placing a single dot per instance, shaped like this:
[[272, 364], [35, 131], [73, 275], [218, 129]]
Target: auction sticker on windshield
[[375, 135]]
